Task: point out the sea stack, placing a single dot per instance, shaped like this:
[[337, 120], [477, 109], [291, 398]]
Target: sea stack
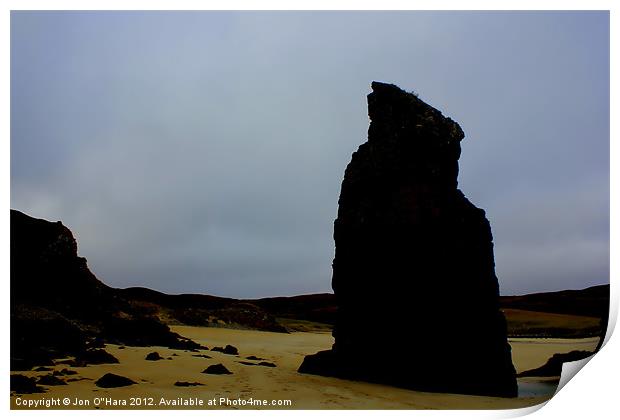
[[414, 272]]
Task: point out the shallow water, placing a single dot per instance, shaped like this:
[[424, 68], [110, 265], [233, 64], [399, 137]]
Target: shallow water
[[536, 387]]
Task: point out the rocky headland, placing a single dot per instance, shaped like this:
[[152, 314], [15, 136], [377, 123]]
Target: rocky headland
[[60, 309]]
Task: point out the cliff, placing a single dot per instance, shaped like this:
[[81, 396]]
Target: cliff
[[60, 309]]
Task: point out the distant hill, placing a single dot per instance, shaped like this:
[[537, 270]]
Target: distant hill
[[320, 307], [566, 313], [201, 310], [593, 301]]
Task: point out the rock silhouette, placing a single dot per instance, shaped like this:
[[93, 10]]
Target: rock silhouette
[[95, 357], [414, 266], [110, 380], [21, 384], [553, 366], [59, 308], [201, 355], [268, 364], [183, 383], [50, 380], [218, 369], [232, 350], [64, 372], [153, 356]]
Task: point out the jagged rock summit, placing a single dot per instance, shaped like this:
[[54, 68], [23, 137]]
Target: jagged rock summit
[[414, 272]]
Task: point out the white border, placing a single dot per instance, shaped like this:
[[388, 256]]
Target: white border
[[592, 394]]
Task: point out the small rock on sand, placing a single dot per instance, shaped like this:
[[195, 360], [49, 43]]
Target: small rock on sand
[[181, 383], [268, 364], [110, 380], [24, 385], [95, 357], [218, 369], [153, 356], [50, 380], [64, 372], [227, 350]]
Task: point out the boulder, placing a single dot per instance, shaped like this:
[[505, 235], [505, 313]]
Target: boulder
[[95, 357], [50, 380], [21, 384], [226, 350], [218, 369], [64, 372], [186, 384], [153, 356], [268, 364], [110, 380]]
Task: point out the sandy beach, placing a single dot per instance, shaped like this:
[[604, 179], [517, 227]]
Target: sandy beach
[[280, 387]]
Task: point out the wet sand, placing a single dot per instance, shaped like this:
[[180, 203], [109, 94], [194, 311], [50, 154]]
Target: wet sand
[[249, 383]]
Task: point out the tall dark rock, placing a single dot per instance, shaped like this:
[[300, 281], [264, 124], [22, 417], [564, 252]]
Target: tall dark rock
[[414, 273]]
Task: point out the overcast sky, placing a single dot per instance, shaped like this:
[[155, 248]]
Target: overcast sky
[[204, 151]]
